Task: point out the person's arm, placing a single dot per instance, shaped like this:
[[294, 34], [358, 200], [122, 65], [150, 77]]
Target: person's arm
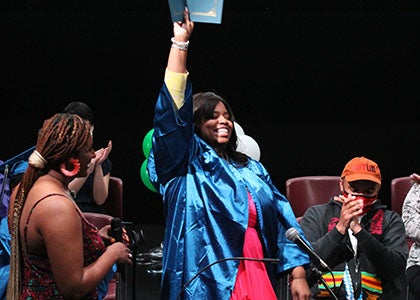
[[172, 136], [411, 210], [299, 287], [100, 181], [177, 60], [100, 185], [327, 244], [389, 254], [60, 226], [176, 70]]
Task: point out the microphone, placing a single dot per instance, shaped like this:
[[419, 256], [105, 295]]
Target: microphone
[[293, 235], [116, 232]]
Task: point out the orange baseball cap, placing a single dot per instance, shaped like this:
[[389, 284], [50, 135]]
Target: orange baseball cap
[[361, 168]]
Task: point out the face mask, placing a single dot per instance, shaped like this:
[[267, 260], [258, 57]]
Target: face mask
[[367, 201]]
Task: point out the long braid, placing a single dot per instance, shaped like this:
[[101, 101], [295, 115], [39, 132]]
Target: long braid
[[60, 137]]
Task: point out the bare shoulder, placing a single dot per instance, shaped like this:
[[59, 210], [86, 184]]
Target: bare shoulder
[[51, 217], [51, 205]]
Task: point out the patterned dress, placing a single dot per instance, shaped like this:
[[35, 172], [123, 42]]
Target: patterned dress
[[37, 278]]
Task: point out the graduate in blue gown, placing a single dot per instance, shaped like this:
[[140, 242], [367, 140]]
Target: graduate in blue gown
[[205, 184]]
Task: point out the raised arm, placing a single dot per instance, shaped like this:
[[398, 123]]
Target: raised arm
[[171, 150], [100, 183], [176, 70], [177, 60]]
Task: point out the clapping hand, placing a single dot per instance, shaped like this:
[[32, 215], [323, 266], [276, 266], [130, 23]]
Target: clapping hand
[[415, 177], [100, 156], [351, 209]]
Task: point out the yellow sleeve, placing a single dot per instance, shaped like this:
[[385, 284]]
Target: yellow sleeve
[[176, 83]]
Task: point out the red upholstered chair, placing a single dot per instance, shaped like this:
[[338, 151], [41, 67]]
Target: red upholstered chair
[[303, 192], [399, 189], [114, 203]]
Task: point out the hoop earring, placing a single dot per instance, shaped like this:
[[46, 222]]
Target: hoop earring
[[76, 167]]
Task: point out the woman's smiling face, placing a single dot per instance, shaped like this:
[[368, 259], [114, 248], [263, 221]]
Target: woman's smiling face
[[217, 130]]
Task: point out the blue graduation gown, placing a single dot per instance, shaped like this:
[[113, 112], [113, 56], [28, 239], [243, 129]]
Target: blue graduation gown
[[206, 208]]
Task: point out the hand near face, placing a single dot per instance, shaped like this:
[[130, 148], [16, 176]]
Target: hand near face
[[351, 209], [103, 153], [100, 156]]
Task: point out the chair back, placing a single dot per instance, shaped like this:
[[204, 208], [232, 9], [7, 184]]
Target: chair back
[[399, 189], [99, 220], [114, 203], [303, 192]]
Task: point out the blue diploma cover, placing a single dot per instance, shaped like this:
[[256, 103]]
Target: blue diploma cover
[[203, 11]]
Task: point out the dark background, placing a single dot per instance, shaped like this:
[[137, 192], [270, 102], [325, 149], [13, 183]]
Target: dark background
[[315, 83]]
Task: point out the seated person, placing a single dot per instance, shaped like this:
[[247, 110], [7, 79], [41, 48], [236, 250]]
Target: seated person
[[45, 220], [91, 192], [411, 218], [359, 238]]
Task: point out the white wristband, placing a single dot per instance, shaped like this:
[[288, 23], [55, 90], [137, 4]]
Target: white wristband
[[183, 46]]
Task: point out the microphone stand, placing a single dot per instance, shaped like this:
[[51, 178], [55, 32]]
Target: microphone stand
[[318, 275], [3, 187], [7, 166]]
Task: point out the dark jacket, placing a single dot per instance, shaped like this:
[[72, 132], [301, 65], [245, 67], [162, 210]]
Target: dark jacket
[[382, 250]]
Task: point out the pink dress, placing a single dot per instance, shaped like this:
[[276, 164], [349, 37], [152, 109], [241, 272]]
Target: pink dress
[[252, 281]]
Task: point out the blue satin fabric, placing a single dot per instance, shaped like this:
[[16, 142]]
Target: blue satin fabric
[[206, 208]]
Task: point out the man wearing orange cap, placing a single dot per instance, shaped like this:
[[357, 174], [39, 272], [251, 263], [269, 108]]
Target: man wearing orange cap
[[362, 242]]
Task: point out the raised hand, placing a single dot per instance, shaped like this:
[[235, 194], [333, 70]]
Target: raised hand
[[183, 30], [415, 177]]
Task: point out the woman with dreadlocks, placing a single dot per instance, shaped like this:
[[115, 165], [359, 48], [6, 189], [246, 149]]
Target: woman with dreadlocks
[[56, 252]]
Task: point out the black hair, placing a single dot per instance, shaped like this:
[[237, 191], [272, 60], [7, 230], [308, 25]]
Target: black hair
[[203, 107], [81, 109]]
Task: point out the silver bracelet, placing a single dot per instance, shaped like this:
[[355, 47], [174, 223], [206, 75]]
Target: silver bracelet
[[180, 45]]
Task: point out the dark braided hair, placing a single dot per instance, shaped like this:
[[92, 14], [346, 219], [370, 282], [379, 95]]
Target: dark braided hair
[[61, 137], [203, 108]]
